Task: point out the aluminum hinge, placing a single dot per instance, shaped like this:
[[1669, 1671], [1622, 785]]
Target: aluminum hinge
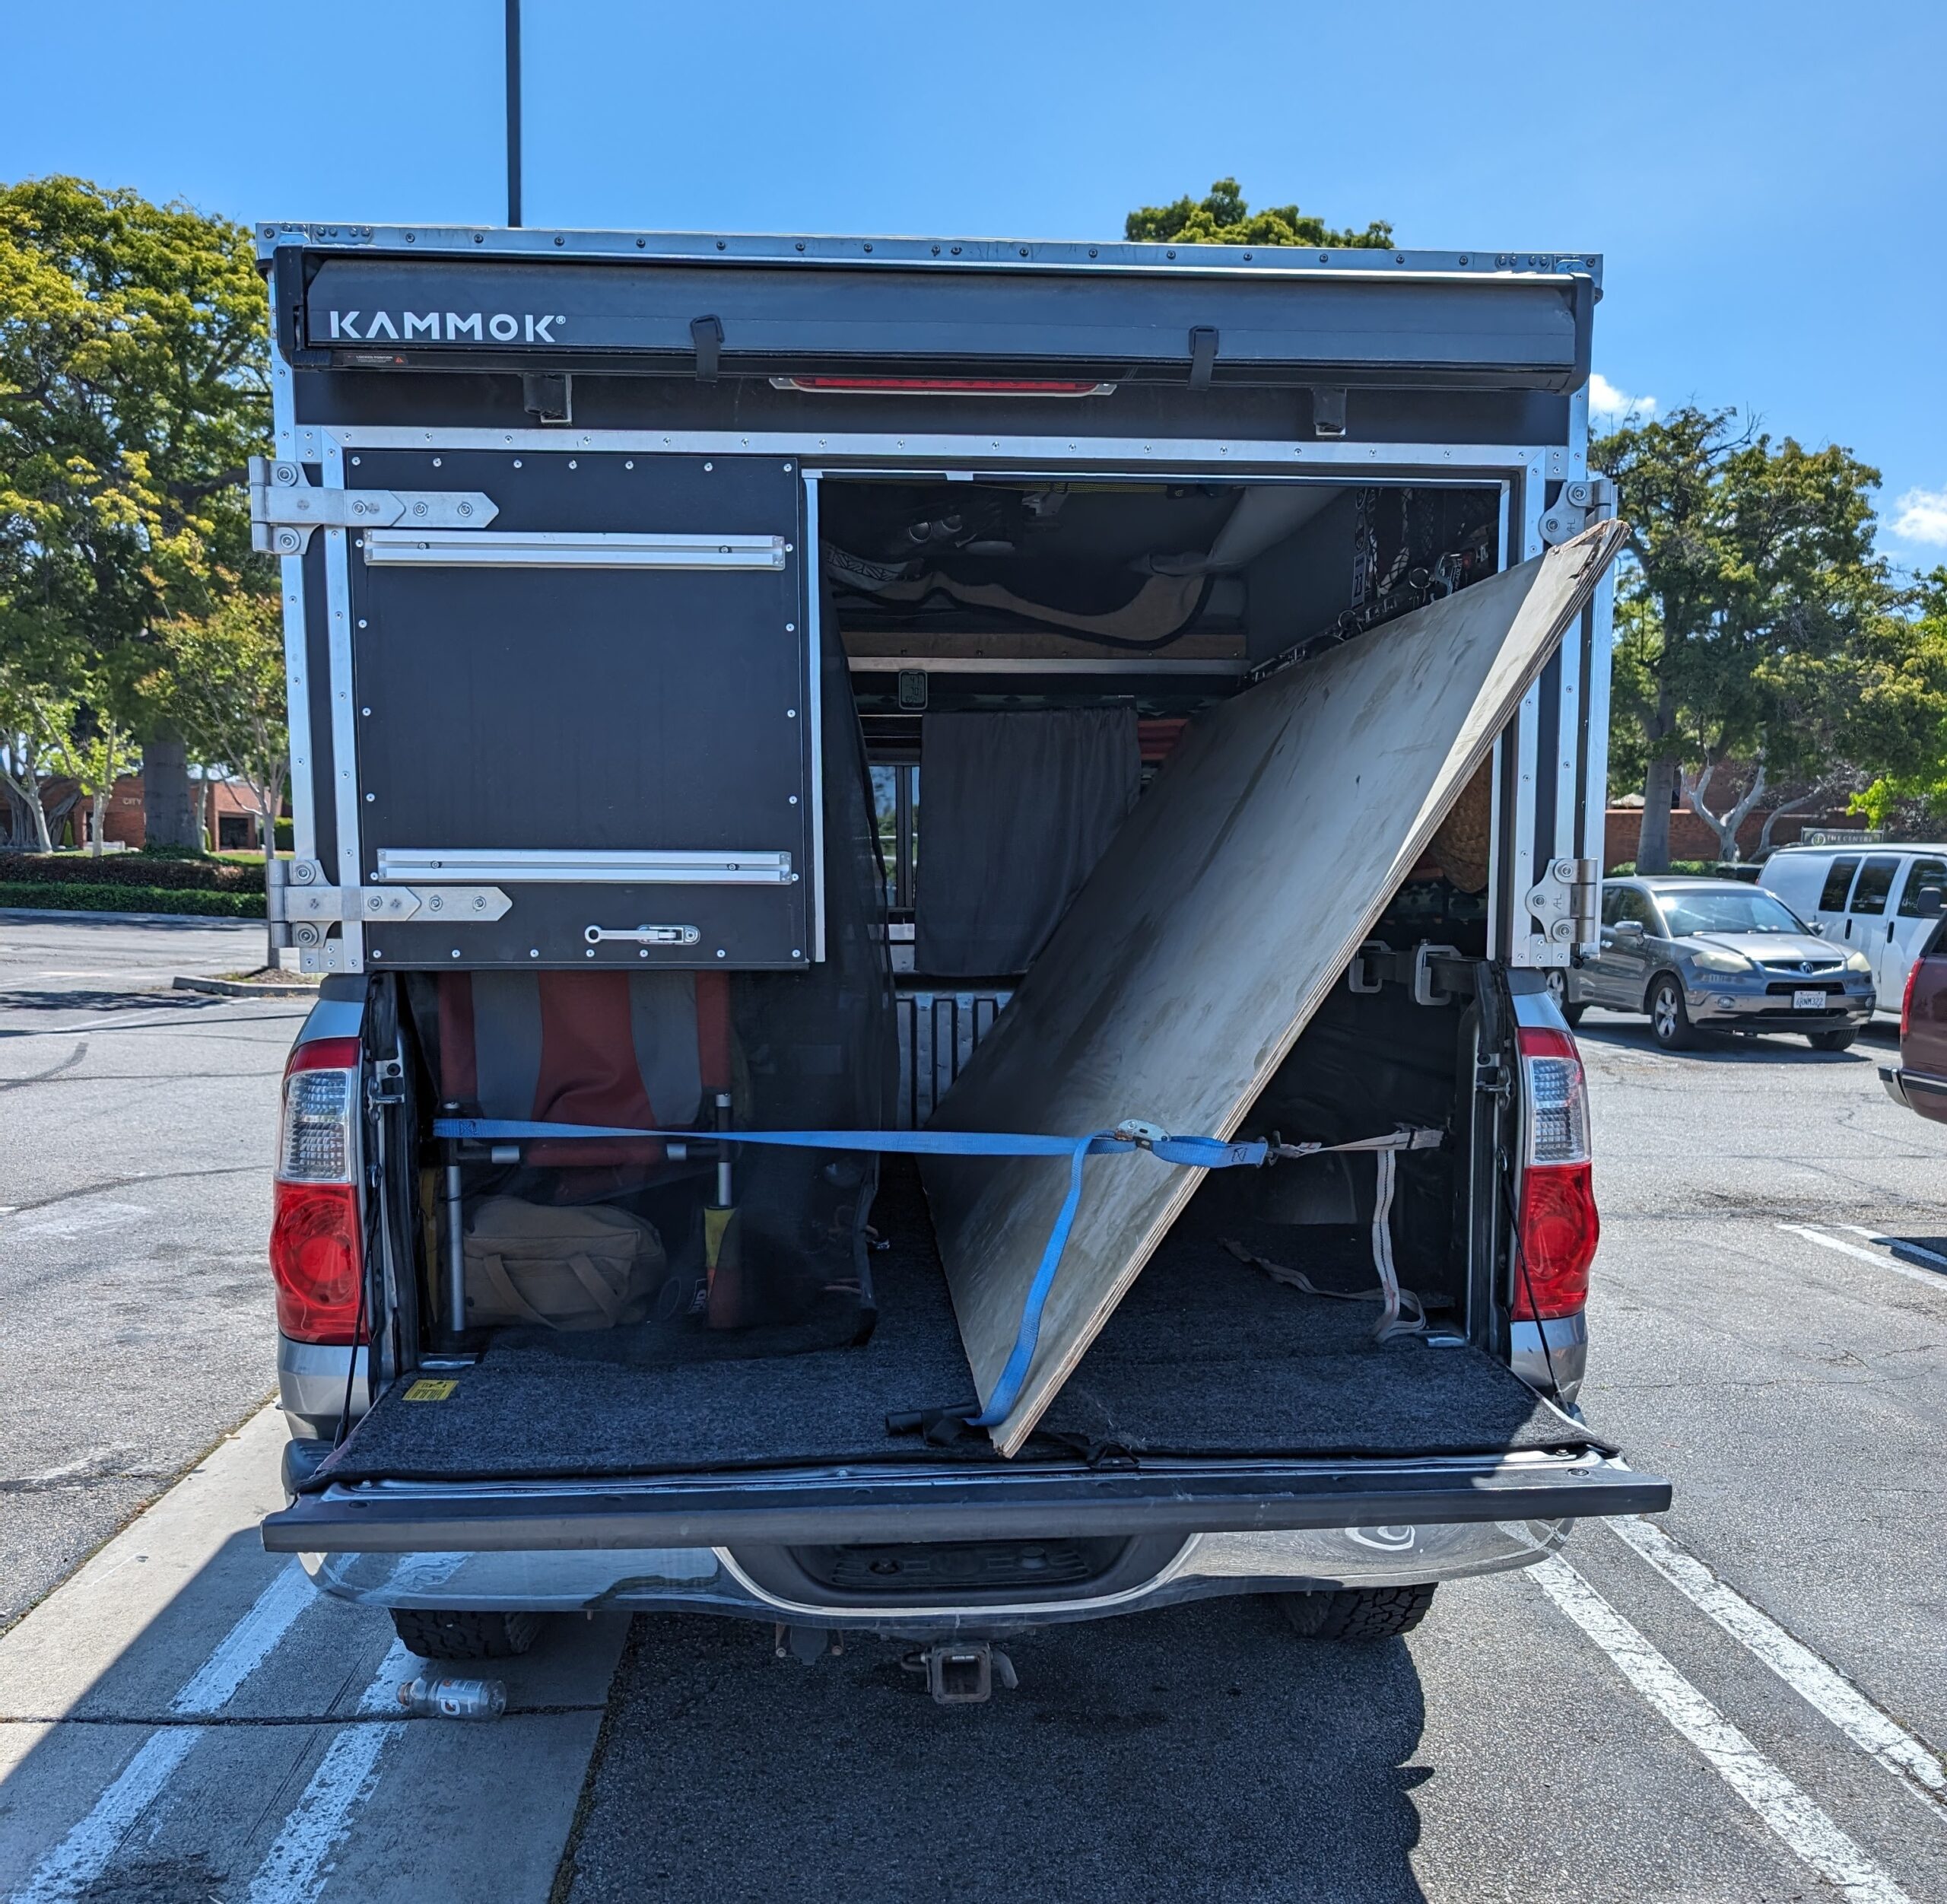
[[1591, 499], [1567, 901], [309, 905], [284, 508]]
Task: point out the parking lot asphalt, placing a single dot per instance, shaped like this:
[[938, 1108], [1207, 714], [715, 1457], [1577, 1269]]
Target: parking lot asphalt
[[1744, 1699]]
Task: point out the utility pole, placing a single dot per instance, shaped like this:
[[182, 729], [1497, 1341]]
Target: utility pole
[[513, 112]]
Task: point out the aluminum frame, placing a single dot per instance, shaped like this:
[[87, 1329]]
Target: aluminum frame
[[568, 548], [649, 867]]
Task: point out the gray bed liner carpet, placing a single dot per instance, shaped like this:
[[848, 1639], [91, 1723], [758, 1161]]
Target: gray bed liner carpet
[[1205, 1356]]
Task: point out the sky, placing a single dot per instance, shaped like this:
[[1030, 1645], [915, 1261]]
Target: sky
[[1767, 182]]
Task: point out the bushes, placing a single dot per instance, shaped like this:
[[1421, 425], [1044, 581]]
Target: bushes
[[162, 870], [67, 896]]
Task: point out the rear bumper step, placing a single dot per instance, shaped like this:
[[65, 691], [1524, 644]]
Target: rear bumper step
[[849, 1507]]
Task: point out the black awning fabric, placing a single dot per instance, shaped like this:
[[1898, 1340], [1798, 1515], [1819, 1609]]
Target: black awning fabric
[[1015, 810]]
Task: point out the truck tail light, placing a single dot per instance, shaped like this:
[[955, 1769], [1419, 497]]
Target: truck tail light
[[1907, 1000], [1557, 1228], [317, 1257]]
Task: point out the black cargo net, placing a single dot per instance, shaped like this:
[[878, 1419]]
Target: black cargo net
[[656, 1249]]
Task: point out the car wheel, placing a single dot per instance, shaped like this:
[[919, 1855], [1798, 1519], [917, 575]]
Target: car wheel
[[1831, 1040], [435, 1633], [1669, 1017], [1357, 1612], [1558, 985]]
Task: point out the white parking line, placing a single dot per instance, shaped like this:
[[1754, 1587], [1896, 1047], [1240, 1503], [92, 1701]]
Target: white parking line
[[295, 1868], [1805, 1830], [73, 1865], [83, 1854], [1898, 1243], [1820, 1685], [248, 1643], [1912, 1273]]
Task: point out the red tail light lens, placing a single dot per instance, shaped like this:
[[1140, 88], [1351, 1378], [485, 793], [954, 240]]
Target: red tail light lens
[[1907, 1000], [1558, 1228], [317, 1257], [317, 1261]]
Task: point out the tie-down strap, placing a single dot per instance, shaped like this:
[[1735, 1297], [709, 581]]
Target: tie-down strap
[[1131, 1134]]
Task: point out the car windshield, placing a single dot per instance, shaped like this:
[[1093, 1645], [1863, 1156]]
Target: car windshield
[[1688, 913]]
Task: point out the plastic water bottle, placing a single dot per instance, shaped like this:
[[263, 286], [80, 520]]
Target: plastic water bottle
[[427, 1698]]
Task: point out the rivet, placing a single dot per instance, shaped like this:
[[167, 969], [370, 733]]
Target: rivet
[[573, 464], [370, 798], [361, 621], [1024, 251], [534, 952], [356, 461], [516, 462], [437, 461], [644, 953], [790, 713], [367, 712], [455, 952], [801, 244], [1172, 254], [707, 466], [1091, 251], [794, 799], [720, 245], [641, 243], [790, 627], [869, 247], [478, 240], [630, 464], [559, 239], [721, 953], [795, 952], [956, 251]]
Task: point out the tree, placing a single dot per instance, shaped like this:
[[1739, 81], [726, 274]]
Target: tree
[[1905, 709], [34, 719], [1222, 218], [1747, 609], [95, 752], [223, 687], [134, 380]]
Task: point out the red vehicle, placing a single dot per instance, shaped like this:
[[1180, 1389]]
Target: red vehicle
[[1919, 1080]]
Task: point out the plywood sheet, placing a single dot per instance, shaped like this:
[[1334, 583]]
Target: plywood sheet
[[1221, 916]]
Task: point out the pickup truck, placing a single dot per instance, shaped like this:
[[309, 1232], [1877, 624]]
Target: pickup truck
[[633, 584]]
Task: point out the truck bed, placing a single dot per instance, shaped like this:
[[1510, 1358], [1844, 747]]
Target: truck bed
[[1205, 1357]]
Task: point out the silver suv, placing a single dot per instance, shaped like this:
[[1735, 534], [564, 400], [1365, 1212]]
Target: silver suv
[[1719, 956]]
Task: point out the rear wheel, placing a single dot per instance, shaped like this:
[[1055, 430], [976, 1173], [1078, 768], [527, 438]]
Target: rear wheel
[[1558, 984], [1357, 1613], [1830, 1040], [1669, 1017], [434, 1633]]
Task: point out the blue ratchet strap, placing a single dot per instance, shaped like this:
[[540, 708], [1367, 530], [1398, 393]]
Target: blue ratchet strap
[[1199, 1153]]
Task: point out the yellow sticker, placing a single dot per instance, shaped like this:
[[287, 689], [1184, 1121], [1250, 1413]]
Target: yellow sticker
[[426, 1389]]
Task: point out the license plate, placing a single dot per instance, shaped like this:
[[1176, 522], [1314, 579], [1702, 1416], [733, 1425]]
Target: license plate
[[1813, 1001]]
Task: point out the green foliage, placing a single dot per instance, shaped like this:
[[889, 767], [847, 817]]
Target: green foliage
[[177, 872], [105, 898], [1222, 218], [1908, 696], [1754, 620], [221, 685], [133, 388]]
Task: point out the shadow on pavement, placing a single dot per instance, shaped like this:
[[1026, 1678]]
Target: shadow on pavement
[[1716, 1047], [46, 999], [1203, 1751]]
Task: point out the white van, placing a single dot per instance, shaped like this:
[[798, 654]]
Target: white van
[[1880, 900]]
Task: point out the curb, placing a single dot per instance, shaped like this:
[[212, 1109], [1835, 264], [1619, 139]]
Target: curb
[[27, 915], [232, 988]]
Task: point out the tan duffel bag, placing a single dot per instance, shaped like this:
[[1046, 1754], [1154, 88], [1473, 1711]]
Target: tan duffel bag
[[575, 1266]]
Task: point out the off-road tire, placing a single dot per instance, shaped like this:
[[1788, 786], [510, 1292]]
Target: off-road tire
[[1831, 1040], [434, 1633], [1361, 1614], [1669, 1017]]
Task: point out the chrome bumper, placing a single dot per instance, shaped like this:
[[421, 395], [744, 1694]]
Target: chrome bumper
[[714, 1580], [1551, 1357], [1724, 1007]]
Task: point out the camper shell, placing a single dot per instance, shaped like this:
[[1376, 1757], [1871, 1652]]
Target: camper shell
[[623, 576]]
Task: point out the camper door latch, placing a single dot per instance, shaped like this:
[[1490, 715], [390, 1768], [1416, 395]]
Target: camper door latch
[[284, 508], [1589, 499], [1567, 901]]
